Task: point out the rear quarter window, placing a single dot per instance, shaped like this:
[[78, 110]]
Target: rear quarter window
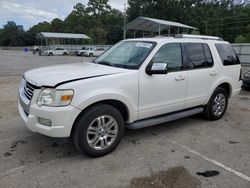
[[227, 54]]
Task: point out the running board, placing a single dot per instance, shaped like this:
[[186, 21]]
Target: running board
[[163, 119]]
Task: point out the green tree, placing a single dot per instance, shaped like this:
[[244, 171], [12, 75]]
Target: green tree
[[12, 35], [41, 27], [241, 39], [80, 10], [98, 7], [98, 20], [98, 34], [224, 18], [56, 25]]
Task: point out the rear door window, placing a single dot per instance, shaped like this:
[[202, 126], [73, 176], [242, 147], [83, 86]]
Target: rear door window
[[197, 58], [209, 58], [227, 54], [199, 55]]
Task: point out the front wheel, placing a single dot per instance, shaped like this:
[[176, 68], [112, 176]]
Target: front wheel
[[217, 105], [99, 130], [91, 55]]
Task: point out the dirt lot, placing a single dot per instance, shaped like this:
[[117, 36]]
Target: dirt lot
[[167, 155]]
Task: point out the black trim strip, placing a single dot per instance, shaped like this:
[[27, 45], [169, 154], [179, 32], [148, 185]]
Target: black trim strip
[[77, 79]]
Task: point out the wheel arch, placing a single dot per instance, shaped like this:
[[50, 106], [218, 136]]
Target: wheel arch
[[227, 86], [119, 105], [225, 83]]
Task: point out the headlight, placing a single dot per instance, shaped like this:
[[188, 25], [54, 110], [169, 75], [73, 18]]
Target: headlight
[[21, 86], [53, 97]]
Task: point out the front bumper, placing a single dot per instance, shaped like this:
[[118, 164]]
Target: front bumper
[[62, 118]]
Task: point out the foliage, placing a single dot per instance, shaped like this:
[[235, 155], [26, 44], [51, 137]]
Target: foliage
[[241, 39], [244, 38], [229, 19], [14, 35], [224, 18]]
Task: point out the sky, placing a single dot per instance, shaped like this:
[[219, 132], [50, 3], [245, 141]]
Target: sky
[[30, 12]]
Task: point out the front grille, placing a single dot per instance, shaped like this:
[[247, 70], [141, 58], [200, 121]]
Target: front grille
[[28, 90]]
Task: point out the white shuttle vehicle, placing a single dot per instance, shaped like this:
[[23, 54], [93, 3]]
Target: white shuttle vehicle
[[90, 51], [135, 84], [57, 51]]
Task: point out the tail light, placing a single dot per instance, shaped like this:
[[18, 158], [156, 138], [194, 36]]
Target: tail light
[[240, 74]]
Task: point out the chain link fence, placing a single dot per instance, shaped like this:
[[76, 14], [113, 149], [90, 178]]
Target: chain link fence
[[243, 51]]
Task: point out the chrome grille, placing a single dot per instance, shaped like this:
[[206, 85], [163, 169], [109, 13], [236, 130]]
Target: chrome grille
[[28, 90]]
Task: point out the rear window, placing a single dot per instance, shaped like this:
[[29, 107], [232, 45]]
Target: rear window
[[227, 54]]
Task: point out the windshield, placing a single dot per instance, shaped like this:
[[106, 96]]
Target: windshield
[[126, 54]]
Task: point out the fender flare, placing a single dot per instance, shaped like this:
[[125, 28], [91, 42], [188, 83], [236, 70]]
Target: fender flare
[[216, 84], [132, 111]]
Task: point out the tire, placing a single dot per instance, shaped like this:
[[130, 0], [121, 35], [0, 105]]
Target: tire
[[91, 55], [65, 53], [50, 54], [86, 130], [217, 105]]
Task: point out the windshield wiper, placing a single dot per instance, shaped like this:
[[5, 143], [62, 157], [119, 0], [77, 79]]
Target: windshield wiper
[[105, 63]]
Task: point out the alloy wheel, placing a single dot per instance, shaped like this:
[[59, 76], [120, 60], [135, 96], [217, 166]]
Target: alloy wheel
[[219, 104], [102, 132]]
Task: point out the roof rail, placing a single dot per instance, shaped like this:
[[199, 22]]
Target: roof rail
[[163, 36], [204, 37]]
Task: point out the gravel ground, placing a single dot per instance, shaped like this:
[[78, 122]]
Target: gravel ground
[[167, 155]]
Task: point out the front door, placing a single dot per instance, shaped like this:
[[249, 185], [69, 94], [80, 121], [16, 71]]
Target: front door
[[160, 94]]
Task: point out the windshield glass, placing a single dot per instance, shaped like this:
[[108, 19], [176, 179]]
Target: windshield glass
[[126, 54]]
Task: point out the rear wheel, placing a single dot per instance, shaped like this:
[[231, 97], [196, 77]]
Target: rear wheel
[[217, 105], [99, 130]]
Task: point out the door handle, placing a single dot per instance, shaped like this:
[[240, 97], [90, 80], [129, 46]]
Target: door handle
[[179, 78], [213, 73]]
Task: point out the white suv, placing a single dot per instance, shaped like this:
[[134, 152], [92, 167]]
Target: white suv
[[57, 51], [137, 83], [90, 51]]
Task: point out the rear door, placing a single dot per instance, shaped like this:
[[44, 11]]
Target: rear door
[[201, 73], [231, 65]]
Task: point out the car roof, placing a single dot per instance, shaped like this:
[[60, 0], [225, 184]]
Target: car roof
[[173, 39]]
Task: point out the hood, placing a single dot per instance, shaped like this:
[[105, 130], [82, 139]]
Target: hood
[[55, 75]]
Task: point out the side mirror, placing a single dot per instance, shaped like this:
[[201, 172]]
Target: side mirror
[[157, 68]]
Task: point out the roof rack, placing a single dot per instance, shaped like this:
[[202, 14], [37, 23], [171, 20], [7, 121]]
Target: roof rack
[[162, 36], [204, 37]]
